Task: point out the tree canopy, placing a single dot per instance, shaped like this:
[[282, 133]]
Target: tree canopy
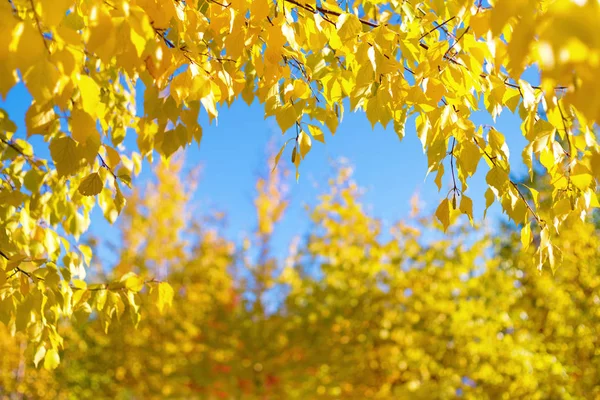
[[308, 63]]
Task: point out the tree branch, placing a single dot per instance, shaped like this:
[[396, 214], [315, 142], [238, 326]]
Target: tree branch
[[514, 185], [437, 27], [39, 26], [322, 10]]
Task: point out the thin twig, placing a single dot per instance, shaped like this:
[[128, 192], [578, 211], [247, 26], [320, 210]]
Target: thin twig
[[32, 160], [567, 133], [514, 185], [39, 26], [454, 187], [322, 10], [105, 165], [457, 40], [437, 27]]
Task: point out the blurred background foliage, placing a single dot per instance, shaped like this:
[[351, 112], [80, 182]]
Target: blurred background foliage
[[351, 312]]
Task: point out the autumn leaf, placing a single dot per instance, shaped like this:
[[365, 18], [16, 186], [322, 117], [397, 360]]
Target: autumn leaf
[[91, 185]]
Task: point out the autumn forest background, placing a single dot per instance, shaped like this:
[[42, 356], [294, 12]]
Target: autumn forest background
[[451, 252], [349, 312]]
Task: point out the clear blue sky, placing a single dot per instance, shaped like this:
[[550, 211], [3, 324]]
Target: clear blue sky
[[233, 152]]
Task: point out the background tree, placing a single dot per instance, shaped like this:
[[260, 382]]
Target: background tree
[[352, 312], [307, 63]]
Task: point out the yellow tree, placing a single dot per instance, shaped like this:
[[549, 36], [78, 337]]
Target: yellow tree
[[171, 352], [359, 314], [307, 63], [411, 317]]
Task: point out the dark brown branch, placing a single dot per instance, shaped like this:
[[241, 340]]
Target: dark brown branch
[[456, 41], [39, 26], [105, 165], [515, 86], [34, 162], [106, 286], [436, 27], [567, 133], [322, 10], [454, 187], [219, 4], [514, 185]]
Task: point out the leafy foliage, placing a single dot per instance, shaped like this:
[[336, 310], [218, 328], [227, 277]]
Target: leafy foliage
[[359, 314], [307, 62]]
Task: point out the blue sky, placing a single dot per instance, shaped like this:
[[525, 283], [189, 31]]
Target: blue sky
[[233, 152]]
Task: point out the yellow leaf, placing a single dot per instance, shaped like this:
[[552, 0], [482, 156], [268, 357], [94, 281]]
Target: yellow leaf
[[53, 11], [278, 156], [51, 360], [27, 45], [466, 207], [134, 283], [316, 133], [65, 155], [112, 156], [526, 236], [443, 213], [305, 143], [439, 176], [209, 104], [91, 185], [39, 355], [82, 126], [9, 79], [42, 81], [90, 94], [348, 26], [497, 143], [497, 179], [101, 297], [40, 118], [79, 284], [86, 251], [469, 156], [555, 257], [119, 200], [581, 177], [489, 200], [165, 296], [286, 117], [259, 11]]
